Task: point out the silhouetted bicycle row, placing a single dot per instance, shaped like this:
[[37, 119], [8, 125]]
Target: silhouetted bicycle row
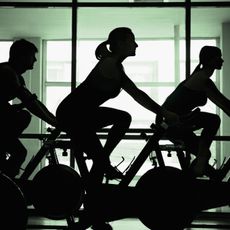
[[57, 191]]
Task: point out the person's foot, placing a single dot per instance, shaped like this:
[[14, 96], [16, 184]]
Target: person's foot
[[197, 168], [221, 172], [102, 226], [78, 226], [113, 173]]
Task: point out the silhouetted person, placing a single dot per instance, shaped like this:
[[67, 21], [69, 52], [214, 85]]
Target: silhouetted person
[[194, 92], [15, 118], [81, 113]]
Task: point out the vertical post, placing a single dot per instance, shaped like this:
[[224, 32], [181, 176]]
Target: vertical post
[[74, 45], [187, 36], [177, 53], [73, 61]]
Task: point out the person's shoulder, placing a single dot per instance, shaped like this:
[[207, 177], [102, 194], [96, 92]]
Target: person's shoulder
[[107, 64], [5, 68]]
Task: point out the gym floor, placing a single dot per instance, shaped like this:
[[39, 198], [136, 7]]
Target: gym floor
[[205, 221], [214, 219]]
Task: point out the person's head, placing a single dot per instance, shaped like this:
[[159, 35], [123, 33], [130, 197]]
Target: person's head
[[22, 53], [211, 57], [121, 41]]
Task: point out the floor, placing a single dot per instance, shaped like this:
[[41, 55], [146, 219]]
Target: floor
[[205, 221], [213, 219], [216, 219], [126, 224]]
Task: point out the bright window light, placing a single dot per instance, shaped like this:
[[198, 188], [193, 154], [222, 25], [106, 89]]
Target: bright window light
[[4, 50]]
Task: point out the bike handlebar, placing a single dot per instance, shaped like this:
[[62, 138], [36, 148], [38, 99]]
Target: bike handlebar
[[54, 132]]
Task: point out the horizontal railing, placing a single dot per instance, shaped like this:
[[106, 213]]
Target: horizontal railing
[[131, 134]]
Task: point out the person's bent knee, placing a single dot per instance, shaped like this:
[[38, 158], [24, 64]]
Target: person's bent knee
[[216, 121], [25, 118], [126, 118], [20, 156]]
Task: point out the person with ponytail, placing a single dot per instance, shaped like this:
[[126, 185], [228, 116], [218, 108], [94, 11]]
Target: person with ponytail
[[192, 93], [81, 113]]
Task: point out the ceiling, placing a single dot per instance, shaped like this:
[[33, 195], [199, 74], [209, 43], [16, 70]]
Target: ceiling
[[55, 23]]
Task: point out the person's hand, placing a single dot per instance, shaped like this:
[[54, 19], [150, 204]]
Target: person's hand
[[52, 120], [171, 118], [18, 107], [54, 123]]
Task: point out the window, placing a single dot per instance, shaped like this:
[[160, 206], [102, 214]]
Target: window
[[4, 50], [151, 70], [161, 33]]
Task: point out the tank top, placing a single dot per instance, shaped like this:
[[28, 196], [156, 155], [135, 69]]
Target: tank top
[[87, 96], [183, 100]]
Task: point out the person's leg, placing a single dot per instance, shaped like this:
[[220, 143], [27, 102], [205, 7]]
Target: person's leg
[[82, 127], [186, 137], [86, 141], [19, 123], [17, 157], [210, 124], [83, 134], [119, 121], [200, 145], [14, 125]]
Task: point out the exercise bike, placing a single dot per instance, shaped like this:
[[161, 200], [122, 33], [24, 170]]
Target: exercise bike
[[55, 191], [163, 192], [160, 192]]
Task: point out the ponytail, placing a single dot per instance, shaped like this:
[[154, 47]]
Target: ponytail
[[102, 50]]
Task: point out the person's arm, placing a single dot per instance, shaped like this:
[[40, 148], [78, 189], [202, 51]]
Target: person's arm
[[35, 106], [15, 87], [217, 97], [143, 99]]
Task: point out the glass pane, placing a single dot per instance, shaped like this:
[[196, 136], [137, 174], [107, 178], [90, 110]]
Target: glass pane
[[141, 117], [86, 59], [54, 96], [147, 66], [130, 149], [207, 22], [4, 50], [196, 45], [149, 63], [147, 22], [58, 61], [44, 23]]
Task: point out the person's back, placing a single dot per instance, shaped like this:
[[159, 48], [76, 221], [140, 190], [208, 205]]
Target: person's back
[[91, 93], [183, 100]]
